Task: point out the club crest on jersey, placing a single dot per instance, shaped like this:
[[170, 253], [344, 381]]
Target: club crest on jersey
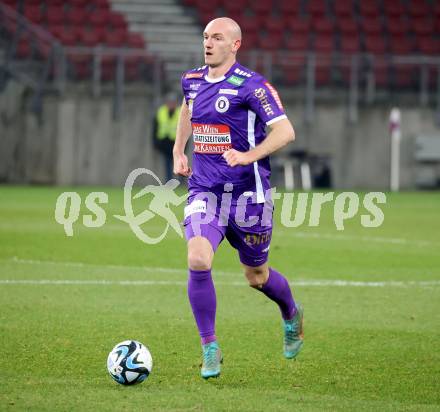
[[222, 104]]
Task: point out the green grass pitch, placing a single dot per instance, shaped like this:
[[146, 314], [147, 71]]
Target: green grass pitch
[[371, 345]]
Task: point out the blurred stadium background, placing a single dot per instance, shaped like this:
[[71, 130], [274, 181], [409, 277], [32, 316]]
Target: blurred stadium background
[[81, 80]]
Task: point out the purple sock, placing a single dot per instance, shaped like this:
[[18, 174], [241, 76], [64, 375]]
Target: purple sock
[[277, 288], [201, 293]]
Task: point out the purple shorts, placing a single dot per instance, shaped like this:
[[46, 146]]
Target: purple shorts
[[248, 228]]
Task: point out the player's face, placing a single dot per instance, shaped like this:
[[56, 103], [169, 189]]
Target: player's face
[[218, 46]]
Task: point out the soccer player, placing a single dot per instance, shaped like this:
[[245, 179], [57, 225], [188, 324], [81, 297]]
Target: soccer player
[[226, 108]]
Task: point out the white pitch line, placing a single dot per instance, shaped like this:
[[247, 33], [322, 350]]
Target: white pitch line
[[377, 239], [316, 283]]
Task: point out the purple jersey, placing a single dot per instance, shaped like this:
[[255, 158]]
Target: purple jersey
[[230, 112]]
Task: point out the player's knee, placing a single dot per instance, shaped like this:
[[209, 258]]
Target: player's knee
[[256, 277], [198, 260]]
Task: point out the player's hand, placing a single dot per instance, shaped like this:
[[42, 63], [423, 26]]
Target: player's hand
[[181, 165], [235, 158]]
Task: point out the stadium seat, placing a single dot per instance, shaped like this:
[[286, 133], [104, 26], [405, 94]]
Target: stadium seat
[[350, 45], [324, 44], [78, 3], [289, 8], [115, 38], [135, 40], [393, 8], [299, 26], [34, 14], [401, 45], [81, 66], [428, 45], [369, 9], [274, 25], [249, 25], [372, 26], [234, 7], [76, 16], [55, 16], [423, 27], [89, 38], [298, 42], [23, 48], [66, 36], [98, 5], [316, 8], [271, 41], [117, 20], [249, 41], [403, 76], [419, 9], [375, 45], [397, 26], [323, 25], [263, 7], [347, 26], [99, 17], [343, 9]]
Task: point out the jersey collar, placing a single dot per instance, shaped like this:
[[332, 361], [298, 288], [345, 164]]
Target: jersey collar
[[219, 79]]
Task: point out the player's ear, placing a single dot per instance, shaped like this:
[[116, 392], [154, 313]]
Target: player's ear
[[236, 45]]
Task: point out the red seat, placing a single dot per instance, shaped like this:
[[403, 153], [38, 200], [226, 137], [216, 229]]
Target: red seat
[[316, 8], [76, 16], [34, 14], [347, 26], [135, 40], [262, 7], [234, 7], [89, 38], [116, 38], [298, 42], [66, 36], [375, 45], [98, 4], [323, 25], [78, 3], [81, 65], [381, 72], [343, 8], [99, 17], [55, 15], [249, 25], [274, 25], [249, 41], [299, 26], [428, 45], [117, 20], [418, 9], [372, 26], [271, 41], [423, 27], [350, 45], [369, 9], [291, 7], [23, 48], [401, 45], [397, 26], [324, 44], [394, 9]]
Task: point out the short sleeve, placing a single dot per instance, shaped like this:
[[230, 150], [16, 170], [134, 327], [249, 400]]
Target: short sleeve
[[263, 99]]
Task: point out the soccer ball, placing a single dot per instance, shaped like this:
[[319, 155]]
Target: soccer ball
[[129, 362]]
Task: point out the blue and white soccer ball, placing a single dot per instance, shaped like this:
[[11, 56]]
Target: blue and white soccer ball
[[129, 362]]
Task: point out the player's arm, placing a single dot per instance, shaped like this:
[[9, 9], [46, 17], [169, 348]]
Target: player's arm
[[280, 135], [183, 133]]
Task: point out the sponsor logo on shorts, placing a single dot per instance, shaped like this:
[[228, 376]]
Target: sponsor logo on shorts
[[197, 206], [222, 104], [242, 72], [275, 95], [235, 80], [211, 138], [261, 95], [233, 92], [193, 75], [252, 239]]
